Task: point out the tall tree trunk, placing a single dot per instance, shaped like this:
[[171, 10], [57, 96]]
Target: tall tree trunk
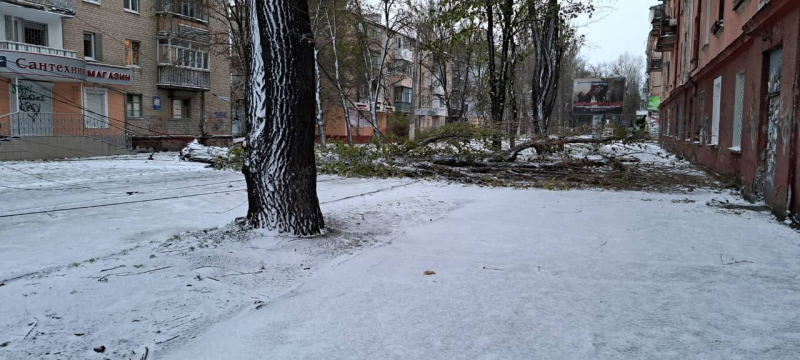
[[318, 96], [413, 126], [279, 165], [512, 94], [548, 51]]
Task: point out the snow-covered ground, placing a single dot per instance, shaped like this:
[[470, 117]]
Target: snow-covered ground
[[135, 255]]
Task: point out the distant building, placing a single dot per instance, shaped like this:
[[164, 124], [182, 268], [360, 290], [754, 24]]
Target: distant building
[[430, 110], [728, 91], [123, 73]]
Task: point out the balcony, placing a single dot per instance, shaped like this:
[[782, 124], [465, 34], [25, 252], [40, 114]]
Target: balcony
[[64, 6], [666, 43], [181, 78], [655, 64], [189, 9], [402, 106], [36, 49]]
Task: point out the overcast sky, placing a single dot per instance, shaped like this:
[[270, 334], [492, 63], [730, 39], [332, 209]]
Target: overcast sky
[[618, 26]]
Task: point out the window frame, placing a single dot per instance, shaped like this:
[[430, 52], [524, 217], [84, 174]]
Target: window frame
[[716, 109], [129, 6], [129, 106], [92, 46], [738, 111], [89, 120], [186, 107], [129, 53], [183, 53]]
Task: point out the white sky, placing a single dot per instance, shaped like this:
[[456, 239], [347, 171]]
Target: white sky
[[618, 26]]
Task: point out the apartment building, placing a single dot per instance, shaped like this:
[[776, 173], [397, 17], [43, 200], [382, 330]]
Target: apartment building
[[655, 63], [729, 97], [131, 73], [396, 91]]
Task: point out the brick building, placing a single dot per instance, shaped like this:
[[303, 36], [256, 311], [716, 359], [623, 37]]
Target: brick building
[[147, 72], [396, 91], [730, 94]]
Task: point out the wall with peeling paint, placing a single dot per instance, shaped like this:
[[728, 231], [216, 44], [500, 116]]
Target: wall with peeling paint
[[771, 28]]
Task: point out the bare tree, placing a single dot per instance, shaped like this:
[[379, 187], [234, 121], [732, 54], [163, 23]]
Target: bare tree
[[377, 26], [330, 16], [279, 165], [315, 29], [552, 37]]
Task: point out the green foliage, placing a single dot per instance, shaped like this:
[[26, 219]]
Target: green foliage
[[397, 126], [233, 160], [620, 132], [358, 160], [458, 141]]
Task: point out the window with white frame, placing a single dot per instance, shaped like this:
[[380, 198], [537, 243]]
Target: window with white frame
[[181, 108], [191, 9], [92, 46], [131, 5], [95, 108], [183, 53], [715, 111], [738, 112], [133, 106], [25, 31]]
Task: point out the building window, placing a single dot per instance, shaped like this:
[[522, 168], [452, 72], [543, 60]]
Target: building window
[[24, 31], [403, 42], [131, 5], [715, 111], [738, 112], [402, 95], [92, 46], [402, 67], [95, 104], [183, 53], [180, 108], [133, 106], [132, 52]]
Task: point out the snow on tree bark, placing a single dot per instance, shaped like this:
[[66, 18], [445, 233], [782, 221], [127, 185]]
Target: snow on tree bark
[[318, 98], [279, 165]]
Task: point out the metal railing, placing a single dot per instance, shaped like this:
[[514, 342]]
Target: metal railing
[[656, 64], [65, 5], [38, 49], [186, 8], [25, 124], [402, 106], [184, 78]]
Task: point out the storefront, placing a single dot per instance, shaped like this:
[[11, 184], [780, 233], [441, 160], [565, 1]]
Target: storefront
[[53, 95]]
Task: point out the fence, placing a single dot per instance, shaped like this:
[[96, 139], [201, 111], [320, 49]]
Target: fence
[[28, 124]]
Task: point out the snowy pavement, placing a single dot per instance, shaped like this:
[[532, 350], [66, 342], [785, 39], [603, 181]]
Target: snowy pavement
[[519, 274]]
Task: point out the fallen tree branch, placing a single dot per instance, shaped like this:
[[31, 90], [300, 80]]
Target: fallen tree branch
[[170, 339], [542, 145]]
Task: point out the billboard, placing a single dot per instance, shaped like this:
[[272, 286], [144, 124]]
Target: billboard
[[598, 96], [653, 103]]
